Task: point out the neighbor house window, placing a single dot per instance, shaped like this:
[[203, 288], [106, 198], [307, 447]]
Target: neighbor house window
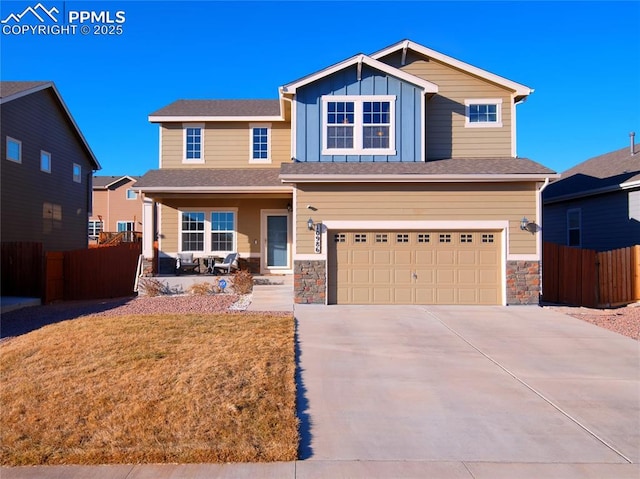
[[358, 125], [131, 194], [574, 227], [14, 150], [192, 231], [223, 231], [260, 143], [45, 161], [77, 173], [483, 113], [193, 143], [125, 226], [95, 228]]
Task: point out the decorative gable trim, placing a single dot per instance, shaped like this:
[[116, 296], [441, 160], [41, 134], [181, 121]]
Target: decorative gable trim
[[519, 89], [358, 60]]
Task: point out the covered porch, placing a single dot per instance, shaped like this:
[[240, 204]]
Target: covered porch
[[210, 213]]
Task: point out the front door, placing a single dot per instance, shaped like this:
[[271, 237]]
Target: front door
[[276, 252]]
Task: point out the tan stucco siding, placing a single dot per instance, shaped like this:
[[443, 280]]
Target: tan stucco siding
[[226, 145], [248, 218], [447, 136], [419, 202]]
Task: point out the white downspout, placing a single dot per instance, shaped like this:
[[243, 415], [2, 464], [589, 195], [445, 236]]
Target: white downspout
[[539, 215]]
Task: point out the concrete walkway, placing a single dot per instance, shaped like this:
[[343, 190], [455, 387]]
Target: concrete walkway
[[445, 392]]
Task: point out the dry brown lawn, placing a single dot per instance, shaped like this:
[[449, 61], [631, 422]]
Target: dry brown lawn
[[150, 389]]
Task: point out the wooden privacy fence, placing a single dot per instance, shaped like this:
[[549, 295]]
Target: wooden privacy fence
[[94, 273], [587, 278], [22, 269]]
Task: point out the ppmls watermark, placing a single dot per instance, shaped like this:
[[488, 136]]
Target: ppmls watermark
[[42, 20]]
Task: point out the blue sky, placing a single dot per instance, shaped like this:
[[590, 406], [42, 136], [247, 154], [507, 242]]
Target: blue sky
[[582, 59]]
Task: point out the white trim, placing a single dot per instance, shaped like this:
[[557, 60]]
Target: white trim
[[8, 139], [262, 161], [147, 228], [483, 124], [192, 161], [48, 170], [205, 118], [293, 129], [215, 189], [517, 87], [514, 151], [358, 124], [160, 127], [264, 268], [523, 257], [313, 256], [423, 128], [427, 86], [409, 178], [76, 178], [416, 225], [207, 251]]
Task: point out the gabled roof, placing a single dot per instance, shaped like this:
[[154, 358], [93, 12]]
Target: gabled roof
[[104, 182], [209, 180], [519, 89], [612, 171], [454, 169], [428, 87], [12, 90], [218, 110]]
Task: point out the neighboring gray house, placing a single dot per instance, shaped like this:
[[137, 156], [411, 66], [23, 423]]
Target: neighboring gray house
[[596, 204], [46, 168]]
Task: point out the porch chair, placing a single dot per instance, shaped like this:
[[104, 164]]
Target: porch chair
[[185, 262], [230, 262]]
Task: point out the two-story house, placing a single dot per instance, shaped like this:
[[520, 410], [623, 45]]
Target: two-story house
[[46, 168], [389, 178], [117, 207]]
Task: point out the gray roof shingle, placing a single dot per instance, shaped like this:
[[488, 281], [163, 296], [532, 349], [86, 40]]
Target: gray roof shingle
[[209, 178], [8, 88], [220, 108], [603, 172], [453, 166], [102, 181]]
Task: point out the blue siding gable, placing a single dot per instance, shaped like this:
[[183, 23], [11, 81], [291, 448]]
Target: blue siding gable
[[408, 115]]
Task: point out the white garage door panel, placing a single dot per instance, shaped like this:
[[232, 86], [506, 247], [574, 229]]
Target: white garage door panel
[[415, 267]]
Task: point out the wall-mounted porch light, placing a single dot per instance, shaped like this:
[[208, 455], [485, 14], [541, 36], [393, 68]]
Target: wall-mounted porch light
[[523, 223], [527, 225], [310, 224]]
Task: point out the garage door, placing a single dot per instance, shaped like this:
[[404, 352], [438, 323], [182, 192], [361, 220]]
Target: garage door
[[414, 267]]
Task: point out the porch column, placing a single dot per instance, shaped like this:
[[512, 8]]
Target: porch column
[[148, 233]]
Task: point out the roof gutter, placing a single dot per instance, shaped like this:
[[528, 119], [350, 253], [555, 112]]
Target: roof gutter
[[213, 189], [345, 178]]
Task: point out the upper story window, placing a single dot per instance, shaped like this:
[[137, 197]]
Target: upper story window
[[45, 161], [483, 113], [574, 227], [358, 125], [193, 143], [260, 143], [131, 194], [14, 150], [77, 173]]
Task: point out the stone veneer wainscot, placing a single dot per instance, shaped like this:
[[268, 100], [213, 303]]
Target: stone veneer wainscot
[[309, 281], [523, 282]]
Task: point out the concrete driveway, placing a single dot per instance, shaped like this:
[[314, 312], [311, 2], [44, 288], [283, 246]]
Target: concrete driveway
[[465, 392]]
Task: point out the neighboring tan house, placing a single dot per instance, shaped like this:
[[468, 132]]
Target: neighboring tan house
[[596, 204], [46, 169], [117, 207], [389, 178]]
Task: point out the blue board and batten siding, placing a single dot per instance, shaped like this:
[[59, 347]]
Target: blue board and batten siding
[[408, 114]]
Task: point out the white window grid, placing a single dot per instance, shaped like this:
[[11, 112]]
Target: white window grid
[[196, 231], [260, 143], [193, 143], [483, 113], [348, 130]]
